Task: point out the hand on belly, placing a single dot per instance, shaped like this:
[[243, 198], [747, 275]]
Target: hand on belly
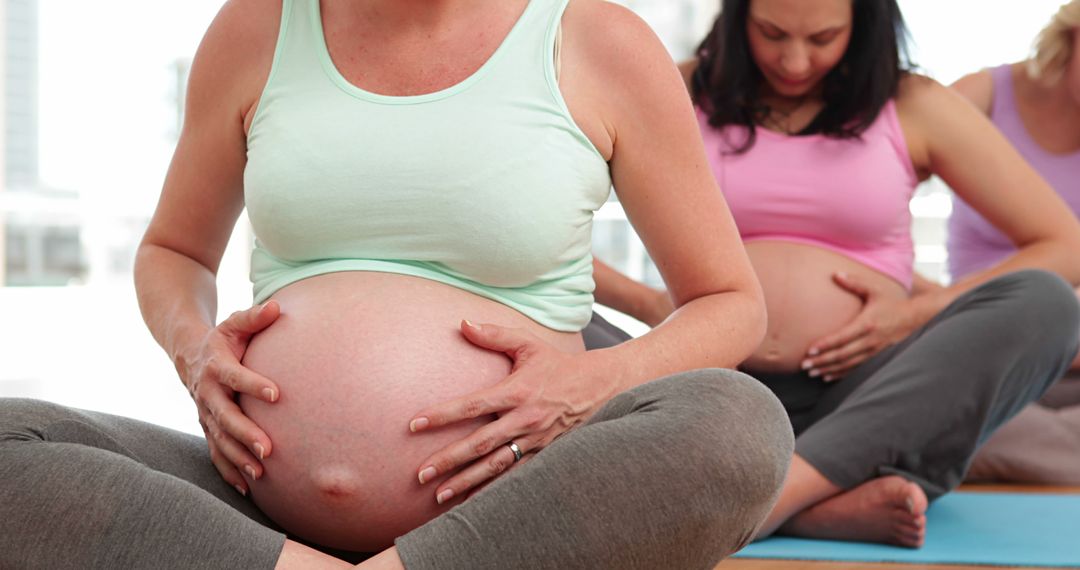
[[356, 356], [804, 302], [883, 321]]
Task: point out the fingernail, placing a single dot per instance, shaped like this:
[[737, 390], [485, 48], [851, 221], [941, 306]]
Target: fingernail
[[813, 351], [910, 503], [470, 324], [419, 424], [269, 395], [829, 378], [814, 373], [260, 451], [250, 471], [807, 364], [445, 496], [240, 490], [427, 474]]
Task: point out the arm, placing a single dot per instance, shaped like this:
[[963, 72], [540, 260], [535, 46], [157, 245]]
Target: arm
[[979, 89], [922, 285], [615, 290], [686, 70], [951, 139], [177, 261], [668, 191]]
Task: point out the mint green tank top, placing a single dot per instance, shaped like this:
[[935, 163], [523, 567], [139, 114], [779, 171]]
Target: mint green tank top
[[488, 185]]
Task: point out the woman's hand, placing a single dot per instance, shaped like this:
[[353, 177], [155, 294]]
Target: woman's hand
[[214, 376], [884, 320], [546, 394]]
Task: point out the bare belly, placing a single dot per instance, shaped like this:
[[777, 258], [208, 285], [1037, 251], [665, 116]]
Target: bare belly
[[803, 301], [356, 355]]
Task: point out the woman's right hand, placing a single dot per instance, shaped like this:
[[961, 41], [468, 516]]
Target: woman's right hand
[[214, 377]]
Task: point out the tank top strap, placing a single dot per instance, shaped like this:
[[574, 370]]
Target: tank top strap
[[527, 57], [1003, 106], [300, 42], [894, 132]]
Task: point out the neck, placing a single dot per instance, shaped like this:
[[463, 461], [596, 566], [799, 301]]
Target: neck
[[418, 15], [1057, 97], [789, 104]]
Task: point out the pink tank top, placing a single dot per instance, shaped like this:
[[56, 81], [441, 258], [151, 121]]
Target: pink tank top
[[849, 196]]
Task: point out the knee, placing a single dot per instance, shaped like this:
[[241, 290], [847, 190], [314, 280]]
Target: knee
[[758, 438], [741, 440], [1046, 305], [23, 419]]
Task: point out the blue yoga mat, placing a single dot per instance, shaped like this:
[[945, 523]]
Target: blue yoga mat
[[995, 529]]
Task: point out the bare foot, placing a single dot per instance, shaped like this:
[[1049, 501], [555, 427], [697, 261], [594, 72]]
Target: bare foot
[[889, 509]]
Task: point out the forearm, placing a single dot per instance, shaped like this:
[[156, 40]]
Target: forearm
[[1049, 255], [714, 331], [615, 290], [921, 285], [177, 297]]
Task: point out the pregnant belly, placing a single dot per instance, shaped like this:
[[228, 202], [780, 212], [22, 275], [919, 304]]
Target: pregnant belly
[[803, 301], [356, 355]]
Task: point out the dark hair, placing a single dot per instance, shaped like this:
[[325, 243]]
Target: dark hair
[[727, 82]]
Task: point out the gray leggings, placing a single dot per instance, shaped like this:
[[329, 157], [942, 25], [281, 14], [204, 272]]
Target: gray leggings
[[677, 473], [921, 408]]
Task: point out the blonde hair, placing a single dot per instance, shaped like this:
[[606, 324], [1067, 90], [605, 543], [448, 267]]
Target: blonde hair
[[1054, 44]]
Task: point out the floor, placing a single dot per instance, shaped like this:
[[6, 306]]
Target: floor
[[736, 564]]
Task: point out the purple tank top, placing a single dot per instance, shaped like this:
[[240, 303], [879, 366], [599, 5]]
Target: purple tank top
[[972, 242]]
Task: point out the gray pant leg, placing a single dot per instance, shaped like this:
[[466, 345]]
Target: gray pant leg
[[677, 473], [601, 334], [923, 407], [87, 490]]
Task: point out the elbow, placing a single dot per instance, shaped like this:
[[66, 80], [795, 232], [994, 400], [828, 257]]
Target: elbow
[[1072, 261], [749, 331], [758, 321], [1065, 262], [142, 263], [139, 264]]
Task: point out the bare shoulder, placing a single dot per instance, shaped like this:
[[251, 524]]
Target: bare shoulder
[[687, 69], [978, 88], [924, 106], [235, 55], [921, 101], [618, 74], [915, 89], [623, 47]]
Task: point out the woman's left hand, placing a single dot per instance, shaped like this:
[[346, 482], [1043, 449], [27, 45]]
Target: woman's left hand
[[546, 394], [884, 320]]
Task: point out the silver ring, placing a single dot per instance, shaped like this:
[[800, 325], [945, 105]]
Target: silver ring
[[517, 451]]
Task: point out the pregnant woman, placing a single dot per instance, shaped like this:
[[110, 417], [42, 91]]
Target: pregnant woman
[[818, 134], [421, 178], [1036, 105]]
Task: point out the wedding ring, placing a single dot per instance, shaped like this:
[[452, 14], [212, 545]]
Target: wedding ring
[[517, 451]]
